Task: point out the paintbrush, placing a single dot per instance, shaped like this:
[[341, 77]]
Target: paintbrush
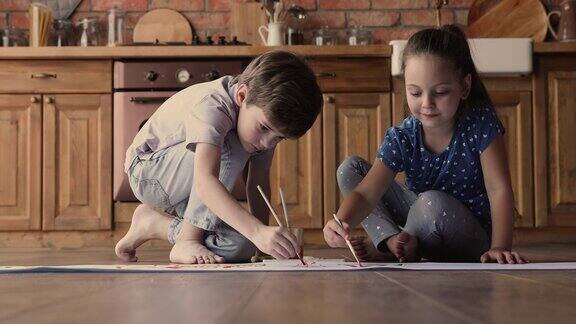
[[287, 223], [274, 214], [347, 241]]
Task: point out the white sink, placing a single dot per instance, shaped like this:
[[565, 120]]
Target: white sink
[[492, 56]]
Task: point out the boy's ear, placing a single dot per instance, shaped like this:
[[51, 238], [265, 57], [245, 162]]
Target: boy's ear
[[466, 86], [241, 94]]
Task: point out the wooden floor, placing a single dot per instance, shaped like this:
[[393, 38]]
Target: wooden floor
[[319, 297]]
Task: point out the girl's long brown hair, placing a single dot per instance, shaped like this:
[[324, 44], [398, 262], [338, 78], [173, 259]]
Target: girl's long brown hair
[[450, 43]]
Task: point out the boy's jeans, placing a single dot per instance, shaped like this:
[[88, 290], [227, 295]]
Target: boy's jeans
[[164, 181], [445, 228]]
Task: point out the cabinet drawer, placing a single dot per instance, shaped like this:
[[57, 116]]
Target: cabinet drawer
[[30, 76], [352, 74]]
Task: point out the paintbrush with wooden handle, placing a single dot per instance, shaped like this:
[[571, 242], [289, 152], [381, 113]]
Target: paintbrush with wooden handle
[[287, 223], [348, 241], [276, 217]]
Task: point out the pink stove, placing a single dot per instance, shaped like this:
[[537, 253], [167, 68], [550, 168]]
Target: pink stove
[[140, 87]]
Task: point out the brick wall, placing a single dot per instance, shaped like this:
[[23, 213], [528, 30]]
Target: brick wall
[[387, 19]]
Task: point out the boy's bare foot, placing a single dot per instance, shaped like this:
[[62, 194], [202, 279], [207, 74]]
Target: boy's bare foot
[[404, 246], [193, 251], [147, 224], [189, 247], [366, 251]]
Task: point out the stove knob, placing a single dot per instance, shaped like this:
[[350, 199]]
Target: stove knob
[[212, 75], [151, 76], [183, 76]]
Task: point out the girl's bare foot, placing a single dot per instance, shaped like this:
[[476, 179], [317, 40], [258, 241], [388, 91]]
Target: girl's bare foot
[[189, 247], [147, 224], [366, 251], [404, 246]]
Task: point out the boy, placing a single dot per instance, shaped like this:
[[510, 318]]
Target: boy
[[187, 157]]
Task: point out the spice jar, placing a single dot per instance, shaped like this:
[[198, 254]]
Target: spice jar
[[89, 33], [295, 35], [62, 35], [14, 37], [115, 27], [359, 36], [324, 36]]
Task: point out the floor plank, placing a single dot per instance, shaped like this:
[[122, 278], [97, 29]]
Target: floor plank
[[489, 297], [331, 297], [305, 297], [149, 298]]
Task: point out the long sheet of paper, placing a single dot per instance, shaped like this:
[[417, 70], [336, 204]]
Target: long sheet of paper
[[313, 264]]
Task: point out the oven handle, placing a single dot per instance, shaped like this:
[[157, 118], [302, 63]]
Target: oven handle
[[145, 100]]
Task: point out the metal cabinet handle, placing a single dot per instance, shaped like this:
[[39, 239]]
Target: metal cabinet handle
[[34, 99], [43, 75], [145, 100], [331, 75], [49, 100], [330, 99]]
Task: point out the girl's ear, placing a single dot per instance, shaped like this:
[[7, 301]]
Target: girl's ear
[[466, 85], [241, 94]]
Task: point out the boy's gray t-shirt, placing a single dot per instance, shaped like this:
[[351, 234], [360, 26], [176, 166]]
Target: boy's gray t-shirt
[[201, 113]]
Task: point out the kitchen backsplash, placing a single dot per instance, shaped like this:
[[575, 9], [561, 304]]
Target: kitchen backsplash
[[387, 19]]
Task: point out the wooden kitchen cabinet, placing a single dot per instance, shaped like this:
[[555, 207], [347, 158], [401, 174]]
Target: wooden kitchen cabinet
[[297, 168], [55, 76], [350, 124], [514, 109], [356, 112], [77, 162], [555, 151], [354, 124], [56, 149], [20, 152]]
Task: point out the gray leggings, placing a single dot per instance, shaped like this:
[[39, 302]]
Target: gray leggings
[[445, 228]]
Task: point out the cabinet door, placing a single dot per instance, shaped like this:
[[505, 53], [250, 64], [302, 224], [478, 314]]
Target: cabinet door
[[561, 148], [354, 124], [77, 162], [20, 136], [297, 168], [514, 109]]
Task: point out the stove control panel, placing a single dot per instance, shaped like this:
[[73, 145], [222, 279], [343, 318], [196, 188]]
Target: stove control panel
[[172, 74]]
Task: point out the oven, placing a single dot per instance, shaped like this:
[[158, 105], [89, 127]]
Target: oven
[[140, 87]]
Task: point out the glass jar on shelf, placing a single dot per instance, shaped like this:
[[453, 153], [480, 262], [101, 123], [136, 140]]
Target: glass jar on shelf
[[358, 36], [115, 27], [295, 34], [324, 36], [63, 31], [13, 37], [89, 33]]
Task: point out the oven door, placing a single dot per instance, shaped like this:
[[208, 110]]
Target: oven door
[[131, 111]]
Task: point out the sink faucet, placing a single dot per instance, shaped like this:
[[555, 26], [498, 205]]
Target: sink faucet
[[439, 4]]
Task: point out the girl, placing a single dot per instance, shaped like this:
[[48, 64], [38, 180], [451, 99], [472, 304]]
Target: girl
[[457, 204]]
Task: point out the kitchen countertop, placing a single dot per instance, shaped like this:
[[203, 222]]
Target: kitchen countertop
[[187, 51], [103, 52], [555, 47]]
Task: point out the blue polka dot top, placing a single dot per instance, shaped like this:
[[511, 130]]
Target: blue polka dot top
[[456, 170]]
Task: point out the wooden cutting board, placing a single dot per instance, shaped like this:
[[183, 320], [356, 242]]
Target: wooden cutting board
[[245, 20], [507, 18], [165, 25]]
